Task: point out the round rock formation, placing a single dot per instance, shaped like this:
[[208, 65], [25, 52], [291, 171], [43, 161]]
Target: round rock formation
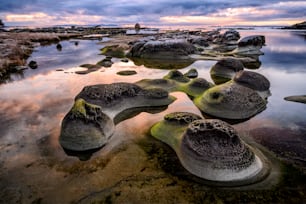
[[85, 127], [225, 69], [212, 149], [230, 101]]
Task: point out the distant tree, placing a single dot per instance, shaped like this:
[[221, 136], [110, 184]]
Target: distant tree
[[137, 27], [1, 23]]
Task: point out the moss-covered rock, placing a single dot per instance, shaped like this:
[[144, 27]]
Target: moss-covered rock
[[85, 127], [230, 101], [177, 76], [225, 69], [211, 149], [115, 50]]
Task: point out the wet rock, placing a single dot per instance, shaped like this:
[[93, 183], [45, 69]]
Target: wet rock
[[230, 101], [163, 49], [127, 72], [59, 47], [163, 63], [177, 76], [195, 87], [33, 64], [107, 62], [298, 98], [230, 35], [252, 80], [85, 127], [125, 60], [225, 69], [200, 41], [115, 50], [166, 84], [90, 68], [211, 149], [252, 40], [91, 121], [19, 68], [116, 98], [192, 73]]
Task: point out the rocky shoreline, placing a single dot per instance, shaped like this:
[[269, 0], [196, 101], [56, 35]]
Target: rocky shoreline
[[17, 45]]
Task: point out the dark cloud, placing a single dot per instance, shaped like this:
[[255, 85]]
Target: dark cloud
[[145, 10]]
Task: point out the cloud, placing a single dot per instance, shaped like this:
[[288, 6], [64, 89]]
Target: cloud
[[159, 11]]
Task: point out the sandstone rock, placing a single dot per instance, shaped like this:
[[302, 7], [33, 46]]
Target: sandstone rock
[[225, 69], [85, 127], [230, 101], [252, 80], [211, 149], [192, 73], [163, 49]]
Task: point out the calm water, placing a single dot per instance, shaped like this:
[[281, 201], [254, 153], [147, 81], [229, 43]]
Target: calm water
[[34, 166]]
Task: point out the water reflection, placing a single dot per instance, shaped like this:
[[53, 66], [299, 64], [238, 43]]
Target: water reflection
[[32, 109]]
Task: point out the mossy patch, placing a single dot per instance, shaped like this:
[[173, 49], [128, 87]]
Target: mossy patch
[[114, 51]]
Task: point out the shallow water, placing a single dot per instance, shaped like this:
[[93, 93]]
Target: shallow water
[[35, 168]]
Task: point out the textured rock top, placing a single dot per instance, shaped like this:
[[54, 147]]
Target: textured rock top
[[252, 80], [217, 143]]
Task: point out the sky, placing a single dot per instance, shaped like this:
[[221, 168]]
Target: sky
[[154, 13]]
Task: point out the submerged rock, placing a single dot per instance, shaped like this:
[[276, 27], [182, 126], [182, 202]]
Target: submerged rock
[[115, 50], [162, 63], [192, 73], [211, 149], [225, 69], [85, 127], [107, 62], [33, 64], [127, 72], [299, 98], [163, 49], [59, 47], [230, 101]]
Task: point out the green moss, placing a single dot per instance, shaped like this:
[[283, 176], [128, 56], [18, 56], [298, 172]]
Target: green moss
[[218, 79], [81, 108], [114, 51], [177, 76], [169, 133]]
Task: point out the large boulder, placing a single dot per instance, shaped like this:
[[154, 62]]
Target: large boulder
[[252, 40], [211, 149], [225, 69], [85, 127], [117, 98], [163, 49], [230, 101], [252, 80], [230, 35]]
